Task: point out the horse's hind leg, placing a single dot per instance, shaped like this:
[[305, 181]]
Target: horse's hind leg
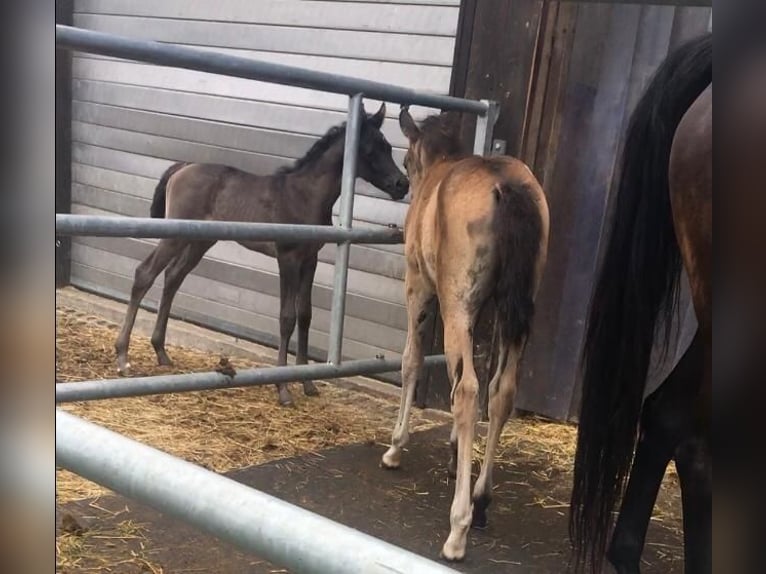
[[665, 420], [502, 392], [419, 294], [458, 344], [145, 274], [694, 464], [175, 274], [304, 312]]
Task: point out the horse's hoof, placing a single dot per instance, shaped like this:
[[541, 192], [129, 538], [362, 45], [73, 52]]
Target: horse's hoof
[[123, 370], [452, 555], [385, 466], [286, 399], [390, 461], [164, 361], [310, 389], [479, 521]]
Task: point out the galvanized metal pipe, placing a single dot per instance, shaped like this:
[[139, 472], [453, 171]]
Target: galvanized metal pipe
[[485, 127], [165, 384], [115, 226], [256, 522], [235, 66], [345, 220]]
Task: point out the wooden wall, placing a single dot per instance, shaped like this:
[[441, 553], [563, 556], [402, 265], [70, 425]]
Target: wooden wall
[[131, 120], [567, 75]]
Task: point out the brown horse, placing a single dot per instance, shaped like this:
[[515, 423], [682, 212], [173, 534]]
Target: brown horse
[[476, 233], [662, 223], [301, 194]]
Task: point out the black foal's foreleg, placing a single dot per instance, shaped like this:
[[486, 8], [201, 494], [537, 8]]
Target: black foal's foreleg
[[289, 277], [304, 311], [665, 421]]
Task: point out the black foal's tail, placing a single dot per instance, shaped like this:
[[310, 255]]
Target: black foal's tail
[[519, 238], [636, 285], [157, 209]]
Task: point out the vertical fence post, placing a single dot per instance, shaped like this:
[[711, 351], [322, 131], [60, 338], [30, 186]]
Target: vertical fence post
[[63, 197], [485, 126], [345, 217]]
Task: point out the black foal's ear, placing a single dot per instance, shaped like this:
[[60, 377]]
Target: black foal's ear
[[377, 119], [408, 126]]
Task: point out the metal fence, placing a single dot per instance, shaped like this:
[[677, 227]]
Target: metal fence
[[125, 466]]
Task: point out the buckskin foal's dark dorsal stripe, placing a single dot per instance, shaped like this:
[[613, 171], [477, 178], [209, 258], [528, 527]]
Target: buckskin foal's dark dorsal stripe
[[317, 150]]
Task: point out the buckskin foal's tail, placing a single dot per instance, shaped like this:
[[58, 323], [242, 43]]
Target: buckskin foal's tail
[[157, 209], [519, 238], [636, 285]]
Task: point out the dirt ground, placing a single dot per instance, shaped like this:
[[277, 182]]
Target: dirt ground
[[321, 455]]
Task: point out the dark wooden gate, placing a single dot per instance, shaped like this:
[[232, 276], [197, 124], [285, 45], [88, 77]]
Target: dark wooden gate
[[567, 75]]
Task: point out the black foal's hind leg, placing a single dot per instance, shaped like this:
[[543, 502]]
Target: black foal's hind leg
[[289, 276], [665, 421], [146, 273], [175, 274], [304, 309]]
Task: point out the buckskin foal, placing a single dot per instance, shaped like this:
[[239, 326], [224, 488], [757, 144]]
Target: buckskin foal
[[476, 233]]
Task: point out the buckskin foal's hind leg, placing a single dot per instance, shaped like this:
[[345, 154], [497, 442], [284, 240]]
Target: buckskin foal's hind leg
[[175, 274], [304, 311], [502, 392], [419, 294], [664, 422], [458, 346], [145, 274], [289, 277]]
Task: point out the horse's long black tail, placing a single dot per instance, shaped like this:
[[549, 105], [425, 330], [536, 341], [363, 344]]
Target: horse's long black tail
[[519, 239], [157, 209], [637, 284]]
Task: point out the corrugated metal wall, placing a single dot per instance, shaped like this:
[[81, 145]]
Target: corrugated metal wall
[[131, 120]]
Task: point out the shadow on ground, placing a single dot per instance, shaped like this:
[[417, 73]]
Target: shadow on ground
[[409, 508]]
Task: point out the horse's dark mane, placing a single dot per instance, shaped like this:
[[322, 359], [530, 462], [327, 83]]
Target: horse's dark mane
[[317, 150], [440, 137]]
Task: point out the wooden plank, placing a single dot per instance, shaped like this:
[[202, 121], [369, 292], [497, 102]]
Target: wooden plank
[[88, 251], [652, 44], [689, 22], [502, 54], [377, 46], [63, 167], [594, 107], [462, 56], [408, 19]]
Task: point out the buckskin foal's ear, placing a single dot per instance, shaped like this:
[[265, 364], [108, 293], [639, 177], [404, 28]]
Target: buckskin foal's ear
[[377, 119], [408, 126]]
